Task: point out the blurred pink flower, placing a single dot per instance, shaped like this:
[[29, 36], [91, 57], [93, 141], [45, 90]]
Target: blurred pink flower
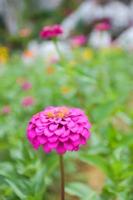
[[78, 40], [103, 26], [26, 85], [28, 101], [6, 109], [53, 59], [25, 32], [51, 31], [59, 128]]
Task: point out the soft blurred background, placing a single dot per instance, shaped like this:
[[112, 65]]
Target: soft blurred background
[[95, 74]]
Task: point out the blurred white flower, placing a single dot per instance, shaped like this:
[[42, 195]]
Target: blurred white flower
[[99, 39], [89, 11], [45, 50], [125, 40]]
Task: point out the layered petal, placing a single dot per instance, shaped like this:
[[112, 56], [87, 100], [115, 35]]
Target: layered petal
[[60, 129]]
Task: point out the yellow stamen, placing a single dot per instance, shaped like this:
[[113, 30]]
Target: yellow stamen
[[61, 113], [50, 114]]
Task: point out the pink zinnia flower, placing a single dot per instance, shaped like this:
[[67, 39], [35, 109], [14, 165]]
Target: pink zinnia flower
[[59, 128], [6, 109], [26, 85], [78, 40], [53, 59], [103, 26], [28, 101], [51, 31]]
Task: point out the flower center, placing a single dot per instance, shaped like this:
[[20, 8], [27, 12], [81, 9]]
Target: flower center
[[50, 114], [59, 113]]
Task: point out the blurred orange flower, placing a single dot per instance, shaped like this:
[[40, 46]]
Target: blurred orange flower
[[50, 70], [28, 54], [65, 90]]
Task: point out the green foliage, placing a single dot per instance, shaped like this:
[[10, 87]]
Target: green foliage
[[82, 191]]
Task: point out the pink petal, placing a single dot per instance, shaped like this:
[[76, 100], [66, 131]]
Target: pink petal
[[53, 145], [67, 119], [68, 145], [76, 148], [82, 119], [51, 120], [36, 144], [52, 138], [63, 139], [60, 131], [80, 130], [43, 118], [31, 134], [53, 127], [58, 120], [76, 143], [63, 122], [88, 125], [76, 112], [39, 123], [65, 133], [30, 126], [47, 132], [75, 128], [34, 119], [39, 129], [85, 133], [82, 140], [60, 148], [71, 124], [75, 118], [42, 139], [74, 137], [46, 148]]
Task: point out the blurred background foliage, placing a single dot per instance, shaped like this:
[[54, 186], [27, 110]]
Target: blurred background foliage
[[101, 84], [30, 23]]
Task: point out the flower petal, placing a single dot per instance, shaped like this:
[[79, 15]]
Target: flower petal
[[46, 148], [53, 127], [48, 133], [31, 134], [60, 148], [60, 131], [85, 134], [68, 145], [53, 145], [53, 138], [42, 139], [36, 144], [74, 136]]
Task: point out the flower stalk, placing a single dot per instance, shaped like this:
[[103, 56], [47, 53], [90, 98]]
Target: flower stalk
[[58, 49], [62, 192]]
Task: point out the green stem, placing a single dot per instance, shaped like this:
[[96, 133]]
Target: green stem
[[62, 177], [58, 50]]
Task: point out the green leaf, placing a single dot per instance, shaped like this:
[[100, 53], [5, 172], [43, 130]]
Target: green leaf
[[97, 161], [16, 189], [126, 141], [38, 182], [82, 191], [103, 111]]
